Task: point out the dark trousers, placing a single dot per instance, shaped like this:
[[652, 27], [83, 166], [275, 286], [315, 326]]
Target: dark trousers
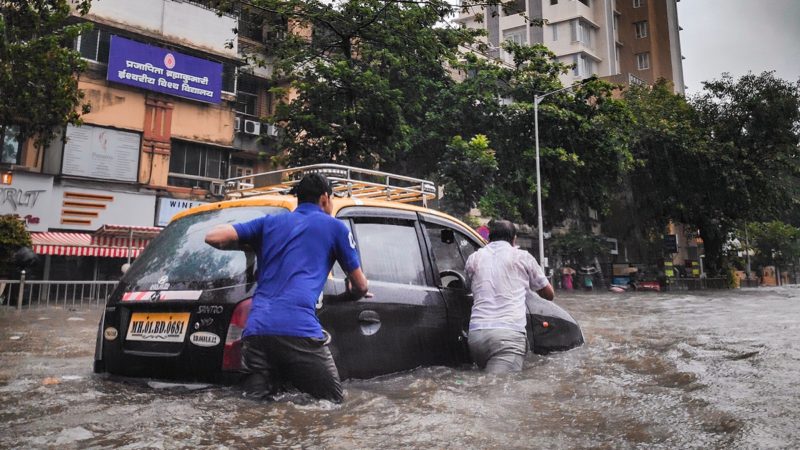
[[306, 363]]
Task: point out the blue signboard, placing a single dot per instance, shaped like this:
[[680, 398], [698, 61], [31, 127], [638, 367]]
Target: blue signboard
[[162, 70]]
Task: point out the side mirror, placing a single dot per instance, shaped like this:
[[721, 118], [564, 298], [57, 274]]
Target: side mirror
[[448, 236]]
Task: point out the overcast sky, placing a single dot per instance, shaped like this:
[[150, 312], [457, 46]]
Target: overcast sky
[[738, 36]]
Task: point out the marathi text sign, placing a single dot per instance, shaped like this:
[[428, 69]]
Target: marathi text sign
[[162, 70]]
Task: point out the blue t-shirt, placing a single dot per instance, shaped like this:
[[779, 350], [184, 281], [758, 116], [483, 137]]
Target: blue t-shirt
[[295, 252]]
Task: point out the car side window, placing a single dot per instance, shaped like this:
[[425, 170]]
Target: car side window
[[445, 249], [466, 246], [390, 250], [450, 250]]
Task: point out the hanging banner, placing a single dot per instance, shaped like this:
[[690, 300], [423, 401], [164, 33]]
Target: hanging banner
[[163, 70]]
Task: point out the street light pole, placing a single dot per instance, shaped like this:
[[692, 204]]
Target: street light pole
[[536, 100]]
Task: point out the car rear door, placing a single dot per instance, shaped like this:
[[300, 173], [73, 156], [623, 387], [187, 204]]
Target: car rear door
[[450, 247], [404, 324]]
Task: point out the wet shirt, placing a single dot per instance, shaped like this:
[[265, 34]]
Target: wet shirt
[[500, 276], [295, 254]]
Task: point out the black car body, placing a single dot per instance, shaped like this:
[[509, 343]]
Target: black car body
[[180, 310]]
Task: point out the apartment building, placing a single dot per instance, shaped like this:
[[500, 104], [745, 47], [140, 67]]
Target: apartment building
[[624, 41], [175, 110]]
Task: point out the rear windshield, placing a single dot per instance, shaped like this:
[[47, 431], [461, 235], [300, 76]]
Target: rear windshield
[[179, 258]]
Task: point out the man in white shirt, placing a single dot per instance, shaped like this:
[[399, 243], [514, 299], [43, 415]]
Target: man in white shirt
[[500, 275]]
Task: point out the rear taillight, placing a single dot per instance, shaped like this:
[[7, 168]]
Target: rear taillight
[[232, 357]]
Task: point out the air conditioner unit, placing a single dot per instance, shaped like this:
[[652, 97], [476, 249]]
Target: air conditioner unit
[[252, 127], [237, 124], [272, 130], [217, 189]]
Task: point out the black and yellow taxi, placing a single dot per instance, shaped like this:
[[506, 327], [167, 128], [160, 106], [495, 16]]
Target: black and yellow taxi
[[180, 310]]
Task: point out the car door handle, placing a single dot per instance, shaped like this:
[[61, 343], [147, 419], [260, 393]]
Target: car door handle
[[369, 322], [369, 316]]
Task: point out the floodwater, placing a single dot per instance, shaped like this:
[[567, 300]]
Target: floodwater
[[715, 369]]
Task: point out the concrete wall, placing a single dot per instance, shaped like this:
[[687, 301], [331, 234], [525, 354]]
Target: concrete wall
[[179, 22]]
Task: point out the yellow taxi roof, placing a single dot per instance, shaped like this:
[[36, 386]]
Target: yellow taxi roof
[[290, 202]]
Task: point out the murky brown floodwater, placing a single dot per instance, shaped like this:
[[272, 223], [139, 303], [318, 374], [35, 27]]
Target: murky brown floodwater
[[708, 370]]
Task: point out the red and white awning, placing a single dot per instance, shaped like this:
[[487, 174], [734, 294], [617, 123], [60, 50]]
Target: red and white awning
[[124, 236], [107, 242]]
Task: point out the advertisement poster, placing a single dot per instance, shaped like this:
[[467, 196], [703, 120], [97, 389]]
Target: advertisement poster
[[101, 153]]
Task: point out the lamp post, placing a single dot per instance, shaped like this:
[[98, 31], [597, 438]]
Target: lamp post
[[536, 100]]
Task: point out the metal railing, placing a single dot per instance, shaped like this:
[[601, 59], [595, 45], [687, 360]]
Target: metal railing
[[39, 294], [696, 284]]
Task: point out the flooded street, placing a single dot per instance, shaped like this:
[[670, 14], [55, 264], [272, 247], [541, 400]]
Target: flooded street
[[715, 369]]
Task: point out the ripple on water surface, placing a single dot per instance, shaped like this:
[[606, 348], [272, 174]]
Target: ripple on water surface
[[708, 370]]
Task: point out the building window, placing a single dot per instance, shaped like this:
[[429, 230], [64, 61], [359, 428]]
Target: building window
[[516, 36], [247, 95], [581, 32], [637, 3], [228, 78], [555, 31], [10, 152], [585, 2], [616, 60], [94, 44], [641, 29], [242, 168], [196, 165], [553, 2], [583, 65], [643, 61]]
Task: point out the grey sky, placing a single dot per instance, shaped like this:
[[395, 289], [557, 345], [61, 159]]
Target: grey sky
[[738, 36]]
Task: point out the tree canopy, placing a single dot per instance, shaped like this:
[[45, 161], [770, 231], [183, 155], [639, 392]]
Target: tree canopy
[[38, 68]]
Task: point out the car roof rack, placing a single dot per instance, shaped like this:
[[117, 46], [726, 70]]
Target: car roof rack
[[346, 181]]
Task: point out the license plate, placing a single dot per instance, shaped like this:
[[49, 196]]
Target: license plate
[[158, 327]]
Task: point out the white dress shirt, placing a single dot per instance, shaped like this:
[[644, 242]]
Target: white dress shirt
[[500, 276]]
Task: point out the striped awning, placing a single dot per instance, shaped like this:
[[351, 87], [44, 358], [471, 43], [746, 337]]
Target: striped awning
[[78, 244], [124, 236]]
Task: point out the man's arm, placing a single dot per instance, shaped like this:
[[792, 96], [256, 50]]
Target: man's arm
[[358, 285], [547, 292], [537, 277], [223, 237]]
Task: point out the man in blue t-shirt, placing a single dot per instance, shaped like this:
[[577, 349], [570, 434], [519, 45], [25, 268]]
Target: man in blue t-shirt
[[283, 339]]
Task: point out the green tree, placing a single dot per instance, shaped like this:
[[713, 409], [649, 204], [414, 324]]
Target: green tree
[[583, 137], [462, 164], [13, 236], [775, 243], [38, 68], [727, 156], [578, 248], [365, 73], [666, 179], [749, 171]]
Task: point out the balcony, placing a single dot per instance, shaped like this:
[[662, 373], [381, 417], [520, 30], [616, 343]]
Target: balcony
[[184, 23]]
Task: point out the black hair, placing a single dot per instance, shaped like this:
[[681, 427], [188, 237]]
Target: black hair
[[311, 187], [502, 230]]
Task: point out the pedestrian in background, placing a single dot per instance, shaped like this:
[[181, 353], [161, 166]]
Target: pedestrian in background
[[500, 275], [566, 277]]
